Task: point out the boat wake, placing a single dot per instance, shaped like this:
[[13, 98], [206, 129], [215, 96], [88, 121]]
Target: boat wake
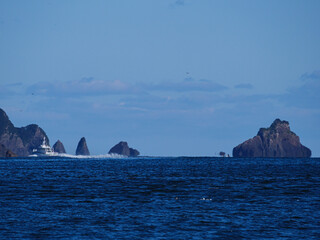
[[64, 155], [93, 156]]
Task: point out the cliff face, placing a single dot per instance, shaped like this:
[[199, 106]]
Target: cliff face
[[23, 140], [122, 148], [276, 141], [82, 148], [5, 153], [58, 147]]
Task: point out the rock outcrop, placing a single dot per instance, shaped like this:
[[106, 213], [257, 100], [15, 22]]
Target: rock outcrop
[[20, 141], [134, 152], [58, 147], [276, 141], [122, 148], [6, 153], [3, 151], [82, 148]]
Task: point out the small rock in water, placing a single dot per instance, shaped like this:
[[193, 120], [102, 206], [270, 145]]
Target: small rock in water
[[122, 148]]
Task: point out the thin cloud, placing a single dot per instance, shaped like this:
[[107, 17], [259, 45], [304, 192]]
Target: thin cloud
[[244, 86], [91, 86], [17, 84], [85, 86], [307, 95], [179, 2], [10, 89], [313, 75], [5, 91], [188, 85]]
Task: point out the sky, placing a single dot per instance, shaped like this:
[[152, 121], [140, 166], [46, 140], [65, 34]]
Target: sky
[[170, 77]]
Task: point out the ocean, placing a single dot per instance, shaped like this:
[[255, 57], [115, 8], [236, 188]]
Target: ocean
[[159, 198]]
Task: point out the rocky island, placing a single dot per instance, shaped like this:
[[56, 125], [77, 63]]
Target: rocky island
[[82, 148], [58, 147], [122, 148], [19, 141], [276, 141]]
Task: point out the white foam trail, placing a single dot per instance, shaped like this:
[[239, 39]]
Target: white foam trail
[[93, 156], [65, 155]]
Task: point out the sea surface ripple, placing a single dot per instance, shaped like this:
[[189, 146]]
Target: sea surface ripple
[[159, 198]]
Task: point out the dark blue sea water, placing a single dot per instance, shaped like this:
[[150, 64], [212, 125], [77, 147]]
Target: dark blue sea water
[[160, 198]]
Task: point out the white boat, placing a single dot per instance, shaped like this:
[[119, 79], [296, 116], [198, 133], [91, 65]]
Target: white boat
[[43, 150]]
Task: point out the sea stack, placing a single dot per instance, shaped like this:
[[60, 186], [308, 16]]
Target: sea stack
[[122, 148], [58, 147], [20, 141], [276, 141], [82, 148]]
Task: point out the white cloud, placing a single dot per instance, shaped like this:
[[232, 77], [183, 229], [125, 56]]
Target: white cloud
[[187, 85], [86, 86], [90, 86]]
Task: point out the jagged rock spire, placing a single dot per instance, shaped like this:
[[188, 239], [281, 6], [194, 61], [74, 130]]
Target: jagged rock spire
[[82, 148], [58, 147]]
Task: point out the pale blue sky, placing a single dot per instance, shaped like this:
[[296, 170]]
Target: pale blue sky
[[170, 77]]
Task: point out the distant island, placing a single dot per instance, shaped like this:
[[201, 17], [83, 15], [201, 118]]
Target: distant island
[[276, 141], [21, 142], [122, 148]]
